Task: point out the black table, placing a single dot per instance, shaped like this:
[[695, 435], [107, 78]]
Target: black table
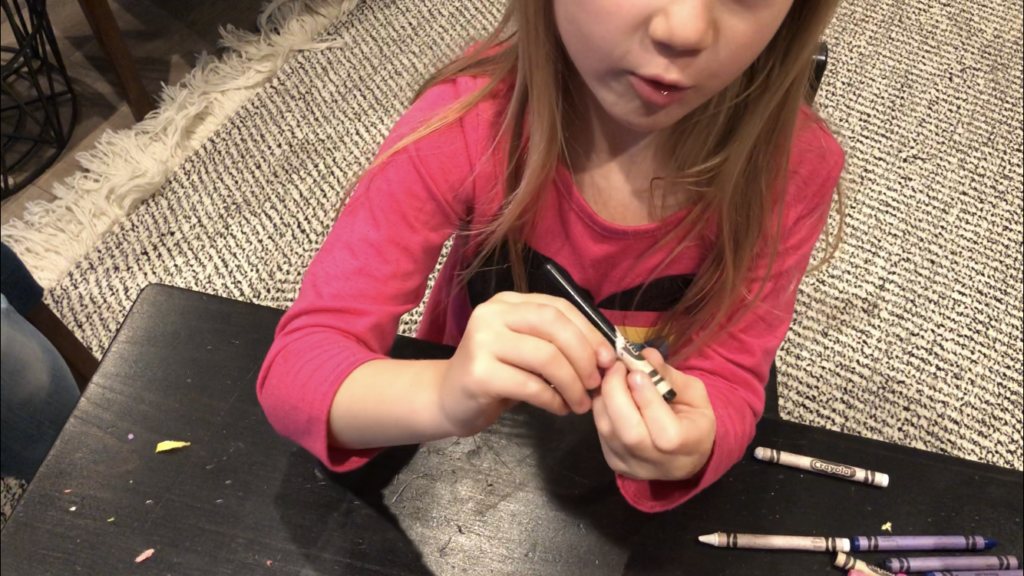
[[530, 496]]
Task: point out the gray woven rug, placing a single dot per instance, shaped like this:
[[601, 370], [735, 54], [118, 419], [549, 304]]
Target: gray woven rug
[[10, 494], [914, 335]]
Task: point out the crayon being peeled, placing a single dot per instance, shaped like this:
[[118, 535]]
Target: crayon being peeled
[[624, 349], [983, 573]]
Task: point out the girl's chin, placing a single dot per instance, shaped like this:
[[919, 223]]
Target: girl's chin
[[640, 120], [639, 116]]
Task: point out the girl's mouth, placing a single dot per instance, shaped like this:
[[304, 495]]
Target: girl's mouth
[[656, 91]]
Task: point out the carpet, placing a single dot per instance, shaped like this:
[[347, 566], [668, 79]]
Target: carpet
[[10, 494], [913, 335], [127, 167]]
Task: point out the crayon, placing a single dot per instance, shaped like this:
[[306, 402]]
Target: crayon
[[953, 563], [850, 563], [984, 573], [759, 542], [822, 467], [624, 349], [923, 543]]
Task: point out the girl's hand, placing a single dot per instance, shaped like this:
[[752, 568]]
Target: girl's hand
[[528, 348], [646, 438]]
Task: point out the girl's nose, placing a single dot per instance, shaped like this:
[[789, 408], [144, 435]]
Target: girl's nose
[[684, 26]]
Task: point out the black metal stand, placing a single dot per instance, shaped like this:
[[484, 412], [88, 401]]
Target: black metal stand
[[37, 103], [820, 67]]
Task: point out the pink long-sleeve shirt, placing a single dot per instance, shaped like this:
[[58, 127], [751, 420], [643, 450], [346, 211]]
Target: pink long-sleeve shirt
[[374, 266]]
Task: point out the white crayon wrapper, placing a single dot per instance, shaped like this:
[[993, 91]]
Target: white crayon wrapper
[[635, 362], [825, 467], [759, 542], [848, 563]]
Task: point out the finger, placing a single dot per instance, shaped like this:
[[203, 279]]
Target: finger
[[547, 361], [612, 455], [602, 420], [662, 423], [604, 352], [552, 324], [627, 423], [690, 391], [510, 383]]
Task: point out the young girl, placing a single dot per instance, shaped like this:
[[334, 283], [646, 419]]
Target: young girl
[[663, 153]]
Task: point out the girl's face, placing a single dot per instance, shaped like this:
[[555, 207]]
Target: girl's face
[[649, 63]]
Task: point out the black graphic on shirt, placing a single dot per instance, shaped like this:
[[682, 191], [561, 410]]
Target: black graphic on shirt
[[495, 276]]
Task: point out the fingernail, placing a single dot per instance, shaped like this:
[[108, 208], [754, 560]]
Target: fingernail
[[607, 355], [637, 380]]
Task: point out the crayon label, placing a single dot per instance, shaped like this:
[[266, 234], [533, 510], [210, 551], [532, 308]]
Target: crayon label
[[833, 469], [631, 350]]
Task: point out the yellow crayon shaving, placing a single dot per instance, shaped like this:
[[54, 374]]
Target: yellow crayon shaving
[[887, 528], [169, 445]]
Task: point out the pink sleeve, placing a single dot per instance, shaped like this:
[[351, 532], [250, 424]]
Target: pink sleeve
[[735, 367], [372, 269]]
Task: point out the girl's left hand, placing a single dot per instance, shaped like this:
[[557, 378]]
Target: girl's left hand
[[646, 438]]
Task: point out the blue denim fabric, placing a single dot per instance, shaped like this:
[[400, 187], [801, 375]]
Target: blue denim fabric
[[37, 395], [17, 284]]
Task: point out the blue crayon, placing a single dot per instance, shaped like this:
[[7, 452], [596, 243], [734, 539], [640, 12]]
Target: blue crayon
[[989, 573], [921, 543]]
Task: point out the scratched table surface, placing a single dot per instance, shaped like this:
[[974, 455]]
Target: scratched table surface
[[530, 496]]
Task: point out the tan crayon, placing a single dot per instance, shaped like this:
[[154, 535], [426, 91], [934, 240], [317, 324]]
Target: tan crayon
[[850, 563], [759, 542], [822, 467]]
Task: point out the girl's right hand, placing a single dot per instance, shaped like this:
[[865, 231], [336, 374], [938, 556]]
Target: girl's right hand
[[529, 348]]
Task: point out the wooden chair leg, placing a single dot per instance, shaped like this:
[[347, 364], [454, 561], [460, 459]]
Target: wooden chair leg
[[108, 34], [80, 361]]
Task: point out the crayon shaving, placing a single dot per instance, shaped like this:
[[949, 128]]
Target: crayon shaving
[[169, 445], [145, 556], [270, 563], [887, 527]]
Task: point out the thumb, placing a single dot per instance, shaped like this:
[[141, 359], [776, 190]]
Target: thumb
[[661, 421], [690, 391]]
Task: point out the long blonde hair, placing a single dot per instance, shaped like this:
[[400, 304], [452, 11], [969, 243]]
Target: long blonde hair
[[732, 153]]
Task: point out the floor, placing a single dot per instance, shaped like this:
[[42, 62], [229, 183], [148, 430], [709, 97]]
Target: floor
[[164, 37]]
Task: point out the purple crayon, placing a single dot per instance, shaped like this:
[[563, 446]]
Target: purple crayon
[[988, 573], [905, 543], [951, 563]]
